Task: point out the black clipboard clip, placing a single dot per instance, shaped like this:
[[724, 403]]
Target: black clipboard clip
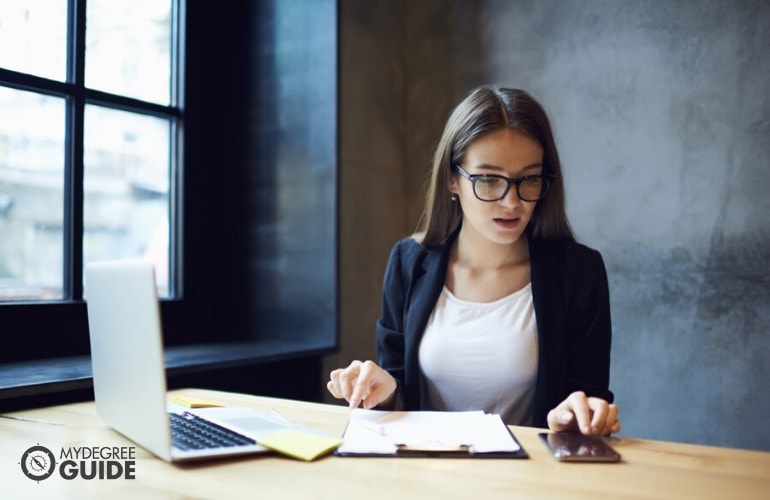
[[433, 449]]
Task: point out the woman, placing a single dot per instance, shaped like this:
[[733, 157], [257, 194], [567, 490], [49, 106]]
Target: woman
[[493, 305]]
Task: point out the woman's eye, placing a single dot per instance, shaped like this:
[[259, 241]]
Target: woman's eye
[[488, 181], [531, 179]]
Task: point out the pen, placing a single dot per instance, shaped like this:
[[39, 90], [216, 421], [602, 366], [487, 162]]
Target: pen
[[372, 427]]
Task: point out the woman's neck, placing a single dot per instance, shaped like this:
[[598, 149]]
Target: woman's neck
[[475, 251]]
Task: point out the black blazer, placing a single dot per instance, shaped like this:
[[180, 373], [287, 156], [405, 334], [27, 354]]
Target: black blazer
[[571, 301]]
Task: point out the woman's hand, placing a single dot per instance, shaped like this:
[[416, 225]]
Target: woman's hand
[[590, 416], [362, 382]]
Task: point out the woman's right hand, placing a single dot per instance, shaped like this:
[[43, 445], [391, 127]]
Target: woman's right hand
[[362, 382]]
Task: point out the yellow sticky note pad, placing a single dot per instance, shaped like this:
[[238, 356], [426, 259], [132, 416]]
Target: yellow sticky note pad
[[298, 444], [193, 402]]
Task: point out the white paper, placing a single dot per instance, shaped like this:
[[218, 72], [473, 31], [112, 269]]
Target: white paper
[[381, 432]]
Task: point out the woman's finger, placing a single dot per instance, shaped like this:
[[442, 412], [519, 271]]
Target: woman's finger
[[365, 383], [333, 385], [601, 414], [348, 378], [577, 402]]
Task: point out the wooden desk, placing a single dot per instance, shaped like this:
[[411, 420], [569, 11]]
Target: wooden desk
[[650, 469]]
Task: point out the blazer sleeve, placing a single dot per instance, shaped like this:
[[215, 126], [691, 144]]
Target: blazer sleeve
[[589, 324], [391, 347]]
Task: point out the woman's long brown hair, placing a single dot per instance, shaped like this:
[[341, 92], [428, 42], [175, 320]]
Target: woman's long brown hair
[[484, 110]]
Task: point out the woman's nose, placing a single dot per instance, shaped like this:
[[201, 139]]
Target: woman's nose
[[511, 198]]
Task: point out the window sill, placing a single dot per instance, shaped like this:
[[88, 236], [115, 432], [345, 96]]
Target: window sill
[[48, 376]]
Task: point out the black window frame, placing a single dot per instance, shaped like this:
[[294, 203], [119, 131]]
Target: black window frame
[[58, 328], [214, 335]]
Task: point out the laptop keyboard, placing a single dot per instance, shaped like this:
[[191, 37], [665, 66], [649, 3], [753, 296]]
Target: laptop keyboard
[[190, 432]]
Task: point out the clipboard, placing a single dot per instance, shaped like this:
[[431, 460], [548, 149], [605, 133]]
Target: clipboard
[[425, 434]]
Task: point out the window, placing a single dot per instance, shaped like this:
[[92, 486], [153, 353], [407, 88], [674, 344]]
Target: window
[[91, 168], [90, 142]]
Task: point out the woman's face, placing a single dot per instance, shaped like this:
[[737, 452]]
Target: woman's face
[[505, 152]]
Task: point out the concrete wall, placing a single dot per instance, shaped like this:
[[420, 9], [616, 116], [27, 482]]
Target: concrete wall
[[662, 116]]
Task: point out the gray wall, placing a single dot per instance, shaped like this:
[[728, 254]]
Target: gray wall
[[662, 116]]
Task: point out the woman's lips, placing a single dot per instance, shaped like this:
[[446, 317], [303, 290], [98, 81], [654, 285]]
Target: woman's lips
[[507, 223]]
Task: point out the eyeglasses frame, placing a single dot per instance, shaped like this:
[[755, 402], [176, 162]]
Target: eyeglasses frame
[[547, 180]]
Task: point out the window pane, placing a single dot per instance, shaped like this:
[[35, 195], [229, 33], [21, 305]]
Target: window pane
[[31, 195], [126, 188], [33, 37], [128, 48]]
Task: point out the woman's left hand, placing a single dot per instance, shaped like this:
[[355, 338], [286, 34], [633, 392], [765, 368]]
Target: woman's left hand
[[590, 416]]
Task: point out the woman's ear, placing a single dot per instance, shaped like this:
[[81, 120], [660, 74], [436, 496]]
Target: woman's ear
[[453, 187]]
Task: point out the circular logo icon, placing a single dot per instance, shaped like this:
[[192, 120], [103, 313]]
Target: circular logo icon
[[38, 463]]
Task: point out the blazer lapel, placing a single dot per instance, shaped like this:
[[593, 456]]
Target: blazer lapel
[[550, 310], [424, 292]]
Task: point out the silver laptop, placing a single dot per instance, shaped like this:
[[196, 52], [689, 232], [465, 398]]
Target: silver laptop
[[129, 373]]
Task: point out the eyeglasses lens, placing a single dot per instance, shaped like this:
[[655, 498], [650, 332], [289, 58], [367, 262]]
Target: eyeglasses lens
[[494, 188], [490, 188], [531, 188]]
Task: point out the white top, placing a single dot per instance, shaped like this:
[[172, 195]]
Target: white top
[[481, 356]]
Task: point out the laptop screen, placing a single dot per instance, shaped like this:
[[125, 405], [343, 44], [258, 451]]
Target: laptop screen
[[127, 351]]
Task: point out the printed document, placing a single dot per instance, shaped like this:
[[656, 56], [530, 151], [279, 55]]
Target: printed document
[[376, 432]]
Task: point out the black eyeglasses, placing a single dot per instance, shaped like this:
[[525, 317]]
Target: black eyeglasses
[[488, 187]]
